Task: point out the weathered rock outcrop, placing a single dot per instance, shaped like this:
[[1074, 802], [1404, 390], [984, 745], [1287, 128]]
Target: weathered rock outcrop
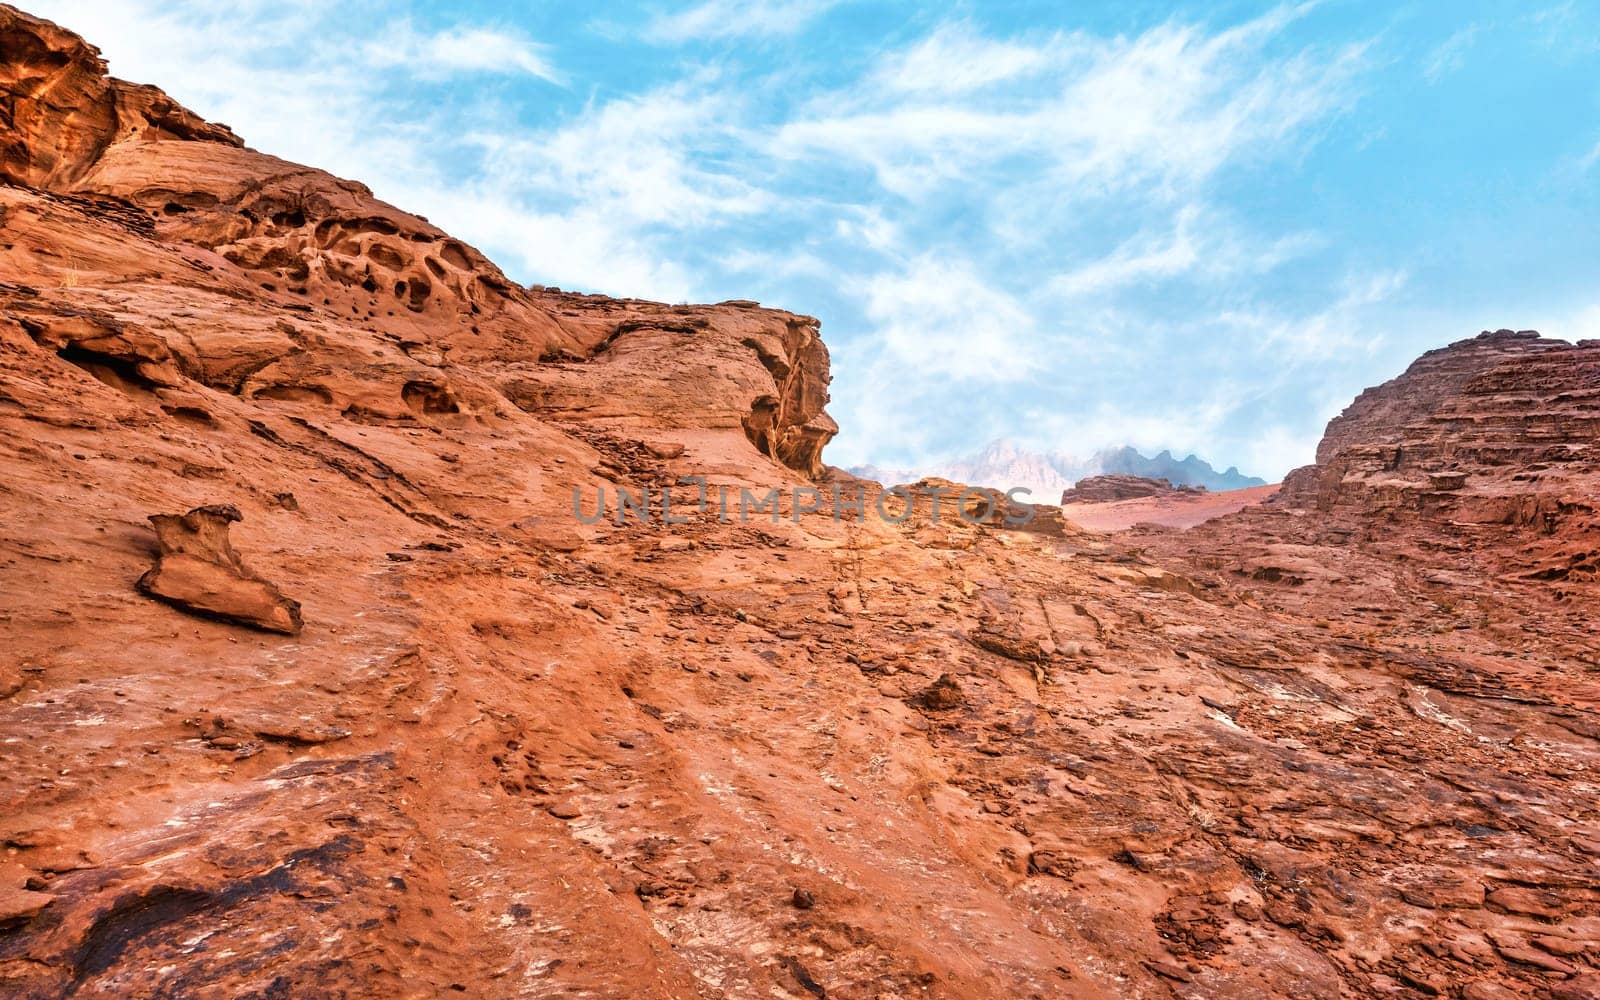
[[197, 570], [1111, 488], [1507, 415], [1312, 750], [62, 113]]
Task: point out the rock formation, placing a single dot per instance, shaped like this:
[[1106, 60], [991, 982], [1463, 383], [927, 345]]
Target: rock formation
[[197, 570], [1002, 463], [1503, 421], [1339, 745], [1110, 488]]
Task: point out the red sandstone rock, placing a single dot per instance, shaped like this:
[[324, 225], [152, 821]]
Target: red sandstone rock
[[516, 754], [1108, 488], [197, 570]]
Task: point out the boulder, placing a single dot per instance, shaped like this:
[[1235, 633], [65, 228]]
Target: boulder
[[198, 571]]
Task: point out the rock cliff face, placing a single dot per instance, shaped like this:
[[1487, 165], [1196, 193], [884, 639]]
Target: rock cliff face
[[1333, 747], [1499, 409], [1500, 429]]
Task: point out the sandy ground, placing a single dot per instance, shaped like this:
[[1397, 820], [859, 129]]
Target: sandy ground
[[1179, 510]]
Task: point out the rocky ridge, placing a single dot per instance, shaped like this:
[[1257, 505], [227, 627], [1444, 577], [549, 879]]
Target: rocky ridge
[[1340, 745], [1110, 488], [1047, 474]]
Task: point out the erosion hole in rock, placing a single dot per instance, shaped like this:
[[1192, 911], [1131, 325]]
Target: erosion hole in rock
[[383, 227], [386, 256], [426, 398], [194, 416], [416, 292], [115, 372], [294, 394], [758, 425], [326, 233], [294, 219]]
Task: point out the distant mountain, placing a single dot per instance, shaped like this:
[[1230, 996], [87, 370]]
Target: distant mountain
[[1191, 471], [1003, 465]]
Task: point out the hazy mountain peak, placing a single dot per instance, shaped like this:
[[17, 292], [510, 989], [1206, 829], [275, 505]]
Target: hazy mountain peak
[[1004, 464]]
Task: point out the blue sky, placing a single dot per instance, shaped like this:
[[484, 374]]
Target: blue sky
[[1202, 227]]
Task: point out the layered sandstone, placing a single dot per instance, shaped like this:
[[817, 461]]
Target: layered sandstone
[[1110, 488], [1314, 749], [1504, 414]]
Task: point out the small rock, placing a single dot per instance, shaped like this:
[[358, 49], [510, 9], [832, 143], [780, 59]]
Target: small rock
[[1564, 947], [198, 571], [1584, 987], [10, 679], [803, 899], [1169, 971], [1444, 893], [942, 694], [1530, 902], [1530, 956], [21, 904]]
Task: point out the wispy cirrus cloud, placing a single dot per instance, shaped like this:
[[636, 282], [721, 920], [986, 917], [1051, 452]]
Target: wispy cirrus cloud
[[1199, 243], [458, 49], [1589, 159], [1450, 55], [957, 58], [941, 318], [1173, 104], [728, 19]]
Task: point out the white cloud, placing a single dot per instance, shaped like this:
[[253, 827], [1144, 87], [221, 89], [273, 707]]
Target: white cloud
[[459, 49], [1201, 244], [786, 265], [725, 19], [1168, 107], [1590, 159], [644, 159], [1343, 327], [1450, 55], [1137, 260], [941, 319], [956, 58]]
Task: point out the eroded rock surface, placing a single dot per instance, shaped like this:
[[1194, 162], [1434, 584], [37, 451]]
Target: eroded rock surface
[[1110, 488], [1340, 745], [197, 570]]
